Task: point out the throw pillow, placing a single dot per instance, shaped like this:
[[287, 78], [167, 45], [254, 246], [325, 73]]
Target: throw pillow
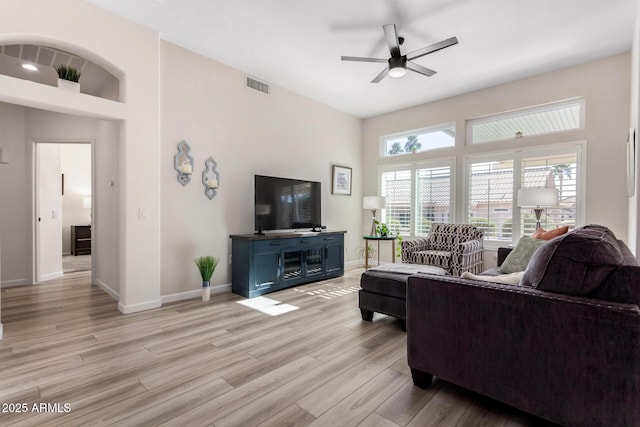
[[543, 234], [505, 279], [576, 263], [519, 257]]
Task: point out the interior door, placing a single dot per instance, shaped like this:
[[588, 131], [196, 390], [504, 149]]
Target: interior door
[[48, 196]]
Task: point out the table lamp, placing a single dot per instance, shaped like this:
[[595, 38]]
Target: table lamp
[[373, 203], [537, 199]]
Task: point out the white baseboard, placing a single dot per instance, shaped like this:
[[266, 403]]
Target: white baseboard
[[51, 276], [113, 294], [134, 308], [1, 333], [12, 283], [195, 293], [356, 263]]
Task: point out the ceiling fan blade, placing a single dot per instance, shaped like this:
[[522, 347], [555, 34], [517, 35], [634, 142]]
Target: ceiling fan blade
[[380, 76], [362, 59], [432, 48], [391, 36], [420, 69]]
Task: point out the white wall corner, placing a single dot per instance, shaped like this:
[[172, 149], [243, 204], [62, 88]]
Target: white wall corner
[[113, 294], [134, 308]]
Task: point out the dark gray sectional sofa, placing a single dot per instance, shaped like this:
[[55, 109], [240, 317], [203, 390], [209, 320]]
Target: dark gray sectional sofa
[[565, 347]]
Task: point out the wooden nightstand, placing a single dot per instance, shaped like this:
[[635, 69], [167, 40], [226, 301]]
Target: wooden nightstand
[[81, 240]]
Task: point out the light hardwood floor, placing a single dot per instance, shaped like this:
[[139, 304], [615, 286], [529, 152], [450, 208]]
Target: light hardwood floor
[[218, 363]]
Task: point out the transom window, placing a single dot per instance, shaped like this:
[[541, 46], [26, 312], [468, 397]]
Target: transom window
[[425, 139], [550, 118]]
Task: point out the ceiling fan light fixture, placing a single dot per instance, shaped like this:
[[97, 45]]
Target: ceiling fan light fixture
[[397, 72], [397, 66]]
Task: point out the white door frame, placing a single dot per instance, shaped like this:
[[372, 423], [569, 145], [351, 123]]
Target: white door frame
[[34, 198]]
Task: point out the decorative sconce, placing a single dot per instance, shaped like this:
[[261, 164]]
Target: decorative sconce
[[183, 163], [210, 178]]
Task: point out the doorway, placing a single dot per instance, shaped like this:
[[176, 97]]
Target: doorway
[[63, 176]]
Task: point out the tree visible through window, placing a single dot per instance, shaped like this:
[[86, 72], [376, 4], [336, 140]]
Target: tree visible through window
[[426, 139]]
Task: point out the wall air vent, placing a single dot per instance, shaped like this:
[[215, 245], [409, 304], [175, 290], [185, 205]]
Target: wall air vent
[[257, 85]]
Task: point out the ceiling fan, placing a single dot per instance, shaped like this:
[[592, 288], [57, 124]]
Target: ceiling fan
[[398, 63]]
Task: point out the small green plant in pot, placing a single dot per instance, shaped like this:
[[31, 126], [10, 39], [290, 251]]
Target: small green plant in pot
[[206, 265], [383, 231], [68, 73]]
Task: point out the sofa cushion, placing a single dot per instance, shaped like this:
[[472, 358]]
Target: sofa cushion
[[440, 259], [543, 234], [576, 263], [519, 257]]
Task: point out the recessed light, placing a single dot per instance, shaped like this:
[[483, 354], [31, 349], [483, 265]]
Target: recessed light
[[30, 67]]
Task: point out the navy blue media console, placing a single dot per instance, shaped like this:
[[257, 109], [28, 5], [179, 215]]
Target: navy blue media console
[[267, 263]]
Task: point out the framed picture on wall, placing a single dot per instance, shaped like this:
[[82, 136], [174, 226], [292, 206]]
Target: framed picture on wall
[[341, 178]]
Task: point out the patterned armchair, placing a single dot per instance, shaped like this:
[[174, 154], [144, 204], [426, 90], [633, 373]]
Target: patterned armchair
[[454, 247]]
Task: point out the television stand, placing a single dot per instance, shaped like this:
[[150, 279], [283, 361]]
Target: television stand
[[263, 264]]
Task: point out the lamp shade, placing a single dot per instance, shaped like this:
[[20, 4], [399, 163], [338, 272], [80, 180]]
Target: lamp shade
[[372, 202], [537, 197]]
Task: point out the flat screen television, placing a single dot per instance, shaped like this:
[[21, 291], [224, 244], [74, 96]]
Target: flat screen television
[[285, 204]]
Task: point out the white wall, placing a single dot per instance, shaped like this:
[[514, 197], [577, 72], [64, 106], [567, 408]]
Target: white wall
[[247, 133], [603, 83], [19, 127], [48, 160], [634, 201], [130, 52], [76, 167], [15, 230]]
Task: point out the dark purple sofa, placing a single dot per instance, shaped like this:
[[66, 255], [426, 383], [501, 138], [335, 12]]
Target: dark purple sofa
[[565, 348]]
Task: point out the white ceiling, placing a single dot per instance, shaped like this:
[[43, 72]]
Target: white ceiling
[[297, 44]]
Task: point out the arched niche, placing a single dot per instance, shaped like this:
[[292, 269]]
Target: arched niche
[[95, 80]]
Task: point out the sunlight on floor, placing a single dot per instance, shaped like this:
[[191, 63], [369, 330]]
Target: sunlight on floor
[[267, 305]]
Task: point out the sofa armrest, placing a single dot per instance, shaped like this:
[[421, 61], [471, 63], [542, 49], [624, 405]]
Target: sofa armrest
[[570, 359], [413, 245], [470, 257], [502, 254]]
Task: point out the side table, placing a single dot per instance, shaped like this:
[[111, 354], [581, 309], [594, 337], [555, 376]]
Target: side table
[[378, 239]]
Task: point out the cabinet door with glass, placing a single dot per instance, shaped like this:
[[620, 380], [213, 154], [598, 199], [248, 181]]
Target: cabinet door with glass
[[314, 261]]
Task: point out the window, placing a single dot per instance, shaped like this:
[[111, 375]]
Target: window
[[433, 197], [416, 196], [419, 140], [493, 183], [559, 172], [396, 189], [551, 118], [491, 197]]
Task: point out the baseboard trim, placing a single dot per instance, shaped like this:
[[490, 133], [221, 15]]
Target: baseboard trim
[[356, 263], [51, 276], [195, 293], [1, 332], [113, 294], [134, 308], [13, 283]]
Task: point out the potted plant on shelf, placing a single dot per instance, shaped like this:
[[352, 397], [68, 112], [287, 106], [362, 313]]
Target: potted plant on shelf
[[68, 78], [206, 266]]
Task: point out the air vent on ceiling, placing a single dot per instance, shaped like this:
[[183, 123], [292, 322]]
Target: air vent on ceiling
[[257, 85]]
